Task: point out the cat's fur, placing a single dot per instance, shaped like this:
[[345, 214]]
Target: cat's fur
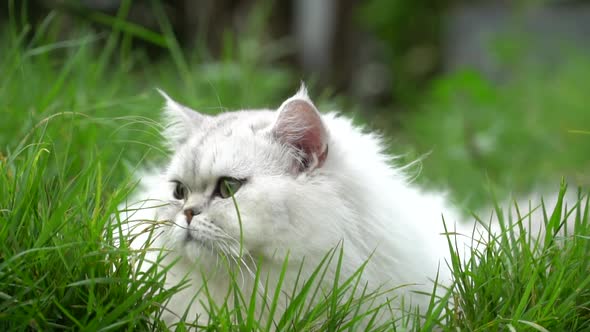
[[312, 181]]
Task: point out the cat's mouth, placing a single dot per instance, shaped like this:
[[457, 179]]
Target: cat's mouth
[[191, 237], [199, 245], [188, 237], [218, 246]]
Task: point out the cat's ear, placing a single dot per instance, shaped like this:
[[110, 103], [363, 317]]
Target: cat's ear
[[180, 121], [300, 126]]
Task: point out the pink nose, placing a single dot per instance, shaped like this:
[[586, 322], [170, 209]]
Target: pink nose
[[189, 215]]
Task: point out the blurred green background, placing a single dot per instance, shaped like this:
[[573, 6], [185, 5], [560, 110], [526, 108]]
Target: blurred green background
[[485, 94]]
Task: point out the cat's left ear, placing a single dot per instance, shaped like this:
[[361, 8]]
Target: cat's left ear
[[300, 126], [181, 121]]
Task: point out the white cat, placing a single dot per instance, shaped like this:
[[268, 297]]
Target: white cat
[[303, 183]]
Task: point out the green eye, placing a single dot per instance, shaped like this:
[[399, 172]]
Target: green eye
[[226, 187], [180, 192]]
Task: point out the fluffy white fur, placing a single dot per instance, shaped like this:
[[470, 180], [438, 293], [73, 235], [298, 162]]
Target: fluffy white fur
[[301, 196]]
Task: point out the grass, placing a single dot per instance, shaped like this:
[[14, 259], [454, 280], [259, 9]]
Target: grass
[[519, 283], [79, 120]]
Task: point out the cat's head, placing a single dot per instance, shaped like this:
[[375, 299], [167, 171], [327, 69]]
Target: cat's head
[[242, 181]]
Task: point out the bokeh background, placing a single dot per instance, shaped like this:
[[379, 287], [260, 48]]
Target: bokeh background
[[487, 96]]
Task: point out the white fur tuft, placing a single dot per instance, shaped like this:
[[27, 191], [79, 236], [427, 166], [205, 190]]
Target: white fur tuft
[[302, 92]]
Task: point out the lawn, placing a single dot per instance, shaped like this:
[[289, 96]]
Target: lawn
[[80, 117]]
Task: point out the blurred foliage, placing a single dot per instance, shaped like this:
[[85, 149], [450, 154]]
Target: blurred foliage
[[516, 136], [410, 34], [513, 133], [411, 37]]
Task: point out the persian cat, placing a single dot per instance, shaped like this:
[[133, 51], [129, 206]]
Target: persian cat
[[303, 182]]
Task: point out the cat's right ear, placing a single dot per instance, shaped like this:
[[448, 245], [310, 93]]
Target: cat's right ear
[[180, 121], [300, 126]]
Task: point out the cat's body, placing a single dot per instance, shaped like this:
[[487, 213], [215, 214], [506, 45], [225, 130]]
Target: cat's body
[[304, 184]]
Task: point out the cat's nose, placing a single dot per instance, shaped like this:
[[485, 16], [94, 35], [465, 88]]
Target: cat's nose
[[190, 213]]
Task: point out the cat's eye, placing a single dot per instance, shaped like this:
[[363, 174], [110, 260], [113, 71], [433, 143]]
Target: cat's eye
[[226, 186], [180, 191]]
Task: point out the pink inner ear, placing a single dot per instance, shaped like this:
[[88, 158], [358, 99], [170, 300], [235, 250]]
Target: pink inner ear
[[299, 124]]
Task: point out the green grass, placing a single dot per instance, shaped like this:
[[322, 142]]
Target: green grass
[[519, 283], [79, 120]]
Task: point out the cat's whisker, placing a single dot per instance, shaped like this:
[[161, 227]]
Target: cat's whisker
[[261, 288], [231, 255], [223, 236], [244, 254], [242, 265], [179, 225], [224, 249]]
